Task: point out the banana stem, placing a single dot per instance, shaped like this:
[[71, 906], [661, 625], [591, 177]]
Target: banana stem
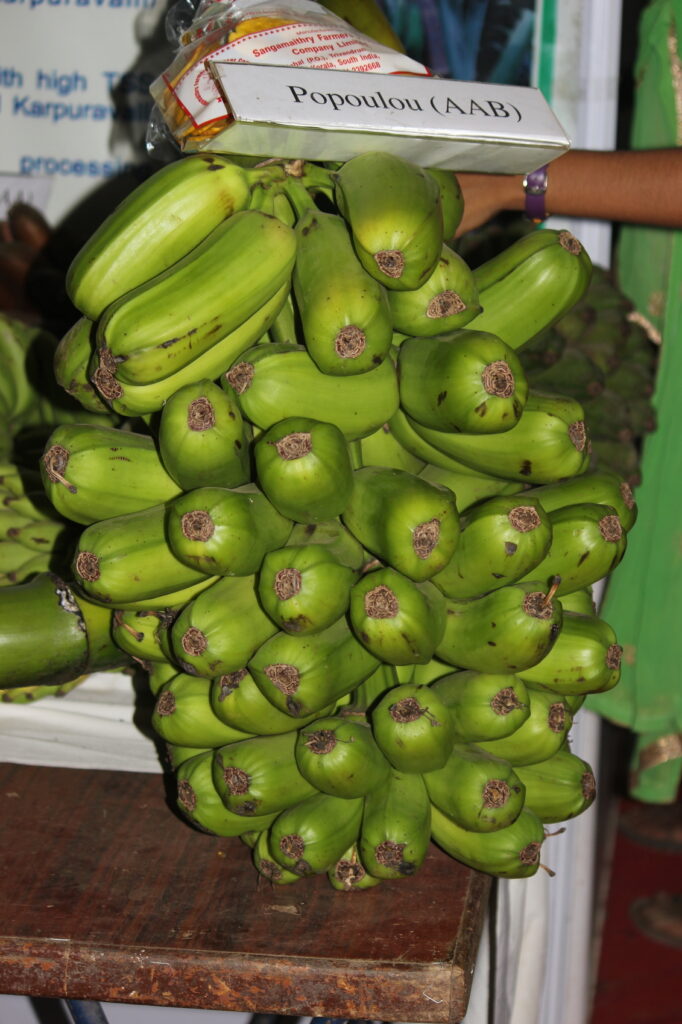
[[556, 583]]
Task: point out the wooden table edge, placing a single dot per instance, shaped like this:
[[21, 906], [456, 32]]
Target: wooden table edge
[[436, 993]]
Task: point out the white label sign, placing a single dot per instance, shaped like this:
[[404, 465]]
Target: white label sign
[[331, 115]]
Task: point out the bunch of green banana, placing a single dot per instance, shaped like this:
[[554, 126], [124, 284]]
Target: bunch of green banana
[[32, 398], [329, 513], [161, 326], [33, 537], [604, 358], [166, 217]]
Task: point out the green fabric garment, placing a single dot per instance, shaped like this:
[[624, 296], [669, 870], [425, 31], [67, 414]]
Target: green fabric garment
[[643, 598]]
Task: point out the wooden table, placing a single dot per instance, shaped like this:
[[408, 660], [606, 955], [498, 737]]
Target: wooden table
[[106, 894]]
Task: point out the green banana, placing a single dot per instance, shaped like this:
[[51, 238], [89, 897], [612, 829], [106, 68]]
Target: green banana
[[530, 285], [156, 225], [393, 210], [446, 301], [311, 836], [141, 399], [504, 631], [260, 775], [423, 674], [405, 521], [200, 803], [273, 382], [72, 358], [400, 621], [334, 536], [620, 457], [540, 736], [548, 443], [224, 531], [30, 694], [91, 473], [580, 601], [502, 539], [173, 755], [574, 374], [511, 852], [585, 658], [558, 788], [265, 865], [304, 467], [588, 543], [343, 311], [51, 635], [301, 674], [125, 561], [547, 347], [183, 715], [349, 873], [413, 728], [363, 698], [158, 673], [33, 505], [601, 339], [396, 827], [18, 564], [6, 439], [406, 435], [139, 633], [451, 200], [163, 325], [381, 448], [219, 630], [16, 480], [15, 383], [10, 521], [284, 329], [203, 440], [340, 757], [468, 488], [469, 381], [238, 702], [304, 588], [483, 705], [42, 535], [596, 485], [477, 791]]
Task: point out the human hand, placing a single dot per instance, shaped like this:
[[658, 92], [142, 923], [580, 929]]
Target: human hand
[[23, 237], [487, 195]]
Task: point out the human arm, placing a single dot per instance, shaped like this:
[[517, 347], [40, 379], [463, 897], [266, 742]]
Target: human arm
[[625, 186]]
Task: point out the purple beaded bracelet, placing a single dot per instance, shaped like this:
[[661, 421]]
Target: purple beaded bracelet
[[535, 187]]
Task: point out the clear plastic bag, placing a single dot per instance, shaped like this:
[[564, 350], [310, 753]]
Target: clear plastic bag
[[294, 33]]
